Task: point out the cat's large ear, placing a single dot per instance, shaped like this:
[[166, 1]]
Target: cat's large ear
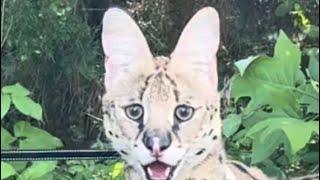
[[126, 49], [198, 45]]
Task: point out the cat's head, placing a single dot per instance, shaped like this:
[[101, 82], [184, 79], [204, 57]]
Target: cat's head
[[161, 113]]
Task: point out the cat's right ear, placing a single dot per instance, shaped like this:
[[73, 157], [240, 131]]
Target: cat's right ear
[[125, 48]]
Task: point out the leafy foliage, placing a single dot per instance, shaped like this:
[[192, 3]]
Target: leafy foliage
[[25, 135], [18, 95], [6, 170], [279, 105]]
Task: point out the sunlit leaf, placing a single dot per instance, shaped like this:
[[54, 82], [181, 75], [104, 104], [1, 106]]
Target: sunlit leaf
[[5, 104], [117, 169], [37, 170], [6, 139], [271, 133], [15, 89], [34, 138], [27, 106], [243, 64], [6, 170], [272, 80]]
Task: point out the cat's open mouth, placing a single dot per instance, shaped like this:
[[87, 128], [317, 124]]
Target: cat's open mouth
[[159, 171]]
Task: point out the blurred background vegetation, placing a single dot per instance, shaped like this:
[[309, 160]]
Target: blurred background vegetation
[[53, 49]]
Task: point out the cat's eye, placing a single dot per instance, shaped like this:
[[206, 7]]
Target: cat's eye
[[184, 112], [134, 112]]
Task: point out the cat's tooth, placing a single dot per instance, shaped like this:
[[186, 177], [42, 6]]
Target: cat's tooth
[[167, 171], [149, 172]]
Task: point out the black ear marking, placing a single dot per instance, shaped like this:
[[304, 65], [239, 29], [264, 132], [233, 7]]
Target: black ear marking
[[117, 136]]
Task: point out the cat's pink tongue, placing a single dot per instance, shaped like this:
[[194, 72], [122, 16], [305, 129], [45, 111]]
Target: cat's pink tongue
[[159, 171]]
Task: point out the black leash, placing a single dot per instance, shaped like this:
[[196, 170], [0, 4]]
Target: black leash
[[54, 155]]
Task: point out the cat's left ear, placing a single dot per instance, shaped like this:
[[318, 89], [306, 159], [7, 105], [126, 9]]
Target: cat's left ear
[[198, 45]]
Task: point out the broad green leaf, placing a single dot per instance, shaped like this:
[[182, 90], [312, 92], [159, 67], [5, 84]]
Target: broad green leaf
[[37, 170], [6, 170], [5, 104], [299, 140], [310, 98], [19, 165], [35, 138], [6, 139], [231, 124], [272, 81], [263, 148], [314, 63], [260, 115], [48, 176], [27, 106], [286, 131], [117, 169], [16, 90], [243, 64]]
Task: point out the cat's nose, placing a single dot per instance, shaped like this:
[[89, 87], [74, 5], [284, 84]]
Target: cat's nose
[[157, 141]]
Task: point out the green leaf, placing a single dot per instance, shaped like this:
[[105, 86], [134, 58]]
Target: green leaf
[[16, 90], [48, 176], [311, 98], [243, 64], [231, 124], [6, 170], [6, 139], [314, 63], [270, 133], [37, 169], [35, 138], [263, 148], [117, 169], [282, 10], [273, 81], [18, 165], [5, 104], [305, 129], [27, 106]]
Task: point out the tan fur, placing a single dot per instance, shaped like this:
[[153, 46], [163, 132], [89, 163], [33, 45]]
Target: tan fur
[[160, 84]]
